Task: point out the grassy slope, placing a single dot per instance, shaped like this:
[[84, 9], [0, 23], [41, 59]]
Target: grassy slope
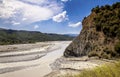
[[108, 70]]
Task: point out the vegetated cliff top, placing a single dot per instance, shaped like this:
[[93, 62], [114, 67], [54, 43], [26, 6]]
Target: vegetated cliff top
[[8, 36], [100, 35]]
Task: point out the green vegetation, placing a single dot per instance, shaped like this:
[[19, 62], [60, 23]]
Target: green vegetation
[[100, 35], [107, 19], [108, 70], [16, 37], [117, 47], [105, 22]]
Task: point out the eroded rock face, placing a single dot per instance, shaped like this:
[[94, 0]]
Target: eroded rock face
[[89, 42], [83, 44], [100, 35]]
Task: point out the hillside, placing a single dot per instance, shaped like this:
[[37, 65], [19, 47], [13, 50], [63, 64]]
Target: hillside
[[100, 35], [16, 37], [72, 35]]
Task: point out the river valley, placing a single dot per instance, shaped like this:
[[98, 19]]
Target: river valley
[[30, 62]]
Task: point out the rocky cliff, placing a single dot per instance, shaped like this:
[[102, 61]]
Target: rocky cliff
[[100, 34]]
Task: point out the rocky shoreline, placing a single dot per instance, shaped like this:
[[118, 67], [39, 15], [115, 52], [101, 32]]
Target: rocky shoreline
[[71, 66]]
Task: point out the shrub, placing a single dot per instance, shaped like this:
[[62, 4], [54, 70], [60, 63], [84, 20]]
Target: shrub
[[92, 54], [108, 19], [117, 48], [96, 10]]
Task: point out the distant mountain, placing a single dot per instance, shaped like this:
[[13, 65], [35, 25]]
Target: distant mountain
[[72, 35], [8, 36], [100, 35]]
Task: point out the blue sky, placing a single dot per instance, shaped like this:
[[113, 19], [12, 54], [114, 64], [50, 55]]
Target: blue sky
[[48, 16]]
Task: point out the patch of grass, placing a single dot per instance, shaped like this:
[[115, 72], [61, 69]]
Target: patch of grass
[[109, 70], [93, 53]]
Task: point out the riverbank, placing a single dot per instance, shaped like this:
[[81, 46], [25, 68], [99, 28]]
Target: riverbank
[[43, 60], [30, 60], [107, 70], [24, 47], [73, 66]]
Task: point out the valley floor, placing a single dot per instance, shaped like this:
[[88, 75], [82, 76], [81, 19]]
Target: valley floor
[[43, 59], [30, 60]]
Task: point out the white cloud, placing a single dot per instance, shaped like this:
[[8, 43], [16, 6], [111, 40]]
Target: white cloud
[[23, 19], [75, 24], [64, 0], [15, 23], [61, 17], [36, 27], [29, 11]]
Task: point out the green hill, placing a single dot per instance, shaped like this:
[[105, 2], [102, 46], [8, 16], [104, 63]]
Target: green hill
[[16, 37]]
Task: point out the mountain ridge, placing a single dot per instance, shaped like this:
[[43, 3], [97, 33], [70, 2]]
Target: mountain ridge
[[9, 36]]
